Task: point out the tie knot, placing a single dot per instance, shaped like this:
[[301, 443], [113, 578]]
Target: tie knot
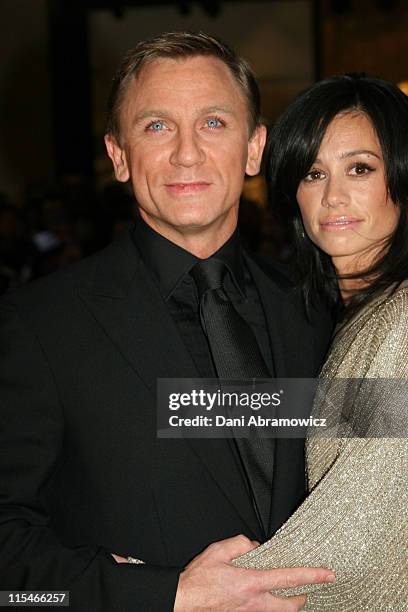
[[208, 274]]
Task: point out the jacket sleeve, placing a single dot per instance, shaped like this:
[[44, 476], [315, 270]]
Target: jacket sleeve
[[355, 520], [31, 435]]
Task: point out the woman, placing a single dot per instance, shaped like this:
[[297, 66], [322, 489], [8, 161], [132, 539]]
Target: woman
[[338, 163]]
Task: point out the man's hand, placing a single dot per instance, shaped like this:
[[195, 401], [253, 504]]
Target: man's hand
[[211, 582]]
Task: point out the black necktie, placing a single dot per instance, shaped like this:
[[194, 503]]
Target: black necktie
[[236, 355]]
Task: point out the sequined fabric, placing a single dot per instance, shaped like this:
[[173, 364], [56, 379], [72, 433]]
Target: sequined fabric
[[355, 519]]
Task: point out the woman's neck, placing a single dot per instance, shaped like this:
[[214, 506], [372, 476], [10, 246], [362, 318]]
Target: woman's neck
[[350, 286]]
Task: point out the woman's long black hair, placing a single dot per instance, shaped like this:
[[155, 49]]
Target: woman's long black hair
[[293, 146]]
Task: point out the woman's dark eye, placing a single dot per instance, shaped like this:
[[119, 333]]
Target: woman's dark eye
[[314, 175], [361, 169]]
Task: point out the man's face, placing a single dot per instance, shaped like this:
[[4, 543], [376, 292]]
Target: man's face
[[185, 146]]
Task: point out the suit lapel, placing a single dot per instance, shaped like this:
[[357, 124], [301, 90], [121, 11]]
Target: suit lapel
[[130, 309], [294, 357], [289, 332], [223, 464]]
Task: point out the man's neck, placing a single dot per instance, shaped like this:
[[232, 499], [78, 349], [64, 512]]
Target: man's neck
[[200, 242]]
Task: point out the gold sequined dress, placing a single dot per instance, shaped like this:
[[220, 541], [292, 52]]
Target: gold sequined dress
[[355, 519]]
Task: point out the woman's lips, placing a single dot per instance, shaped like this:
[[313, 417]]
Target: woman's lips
[[333, 224], [187, 188]]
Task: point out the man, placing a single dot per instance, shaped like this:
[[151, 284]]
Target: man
[[86, 483]]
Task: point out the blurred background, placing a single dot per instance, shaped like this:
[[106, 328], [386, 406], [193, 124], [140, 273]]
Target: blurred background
[[58, 198]]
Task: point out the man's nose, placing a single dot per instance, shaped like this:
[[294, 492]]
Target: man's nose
[[187, 149], [335, 193]]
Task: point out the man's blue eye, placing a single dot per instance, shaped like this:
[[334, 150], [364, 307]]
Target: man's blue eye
[[156, 126], [213, 122]]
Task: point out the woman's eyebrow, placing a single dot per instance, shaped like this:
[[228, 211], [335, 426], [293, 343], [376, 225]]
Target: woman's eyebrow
[[359, 152]]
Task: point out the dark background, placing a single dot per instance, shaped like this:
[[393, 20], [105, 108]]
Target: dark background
[[58, 199]]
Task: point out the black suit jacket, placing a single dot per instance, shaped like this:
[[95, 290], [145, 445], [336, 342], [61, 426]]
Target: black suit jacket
[[82, 473]]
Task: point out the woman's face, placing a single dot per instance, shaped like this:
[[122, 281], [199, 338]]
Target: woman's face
[[346, 208]]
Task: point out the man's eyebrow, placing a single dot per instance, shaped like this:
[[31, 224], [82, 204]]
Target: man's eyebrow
[[217, 109], [157, 113], [149, 114]]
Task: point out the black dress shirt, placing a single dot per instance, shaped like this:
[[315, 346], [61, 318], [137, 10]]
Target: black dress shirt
[[170, 267]]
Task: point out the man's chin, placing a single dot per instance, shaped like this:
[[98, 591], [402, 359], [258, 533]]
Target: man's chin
[[203, 225], [189, 223]]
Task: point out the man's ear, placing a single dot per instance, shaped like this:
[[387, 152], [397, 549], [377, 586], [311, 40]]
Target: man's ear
[[118, 157], [256, 146]]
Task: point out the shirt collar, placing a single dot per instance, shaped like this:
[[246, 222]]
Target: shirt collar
[[170, 263]]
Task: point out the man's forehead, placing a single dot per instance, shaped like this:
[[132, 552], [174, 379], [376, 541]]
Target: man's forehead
[[199, 81], [197, 73], [162, 63]]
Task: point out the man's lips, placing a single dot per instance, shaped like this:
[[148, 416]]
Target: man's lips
[[187, 188], [332, 224]]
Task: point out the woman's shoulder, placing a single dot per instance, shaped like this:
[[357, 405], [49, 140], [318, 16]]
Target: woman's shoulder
[[375, 342], [392, 308], [386, 315], [384, 310]]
